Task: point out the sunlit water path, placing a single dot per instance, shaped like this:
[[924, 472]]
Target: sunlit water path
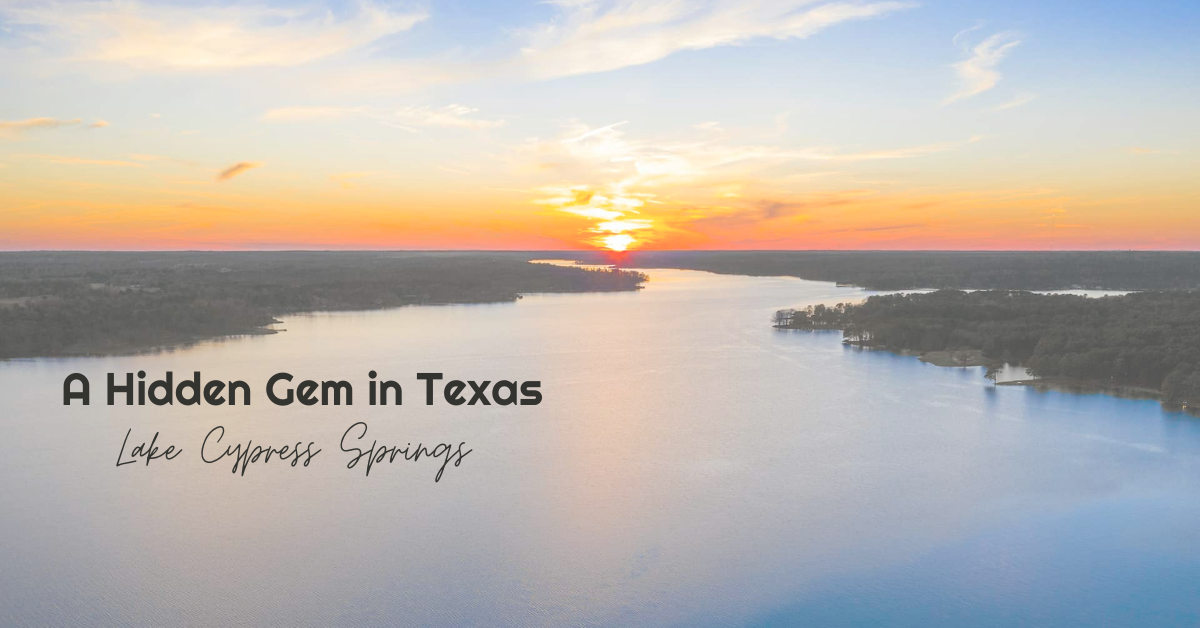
[[689, 466]]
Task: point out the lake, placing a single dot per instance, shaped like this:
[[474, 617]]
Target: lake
[[689, 466]]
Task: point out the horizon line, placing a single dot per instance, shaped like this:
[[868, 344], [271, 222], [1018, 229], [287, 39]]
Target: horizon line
[[597, 251]]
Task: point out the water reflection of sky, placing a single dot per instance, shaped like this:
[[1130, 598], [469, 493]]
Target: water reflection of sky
[[690, 466]]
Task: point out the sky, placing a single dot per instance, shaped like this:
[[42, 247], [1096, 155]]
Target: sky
[[578, 124]]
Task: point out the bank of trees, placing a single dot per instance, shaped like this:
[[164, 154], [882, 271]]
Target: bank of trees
[[1146, 339], [901, 270], [77, 303]]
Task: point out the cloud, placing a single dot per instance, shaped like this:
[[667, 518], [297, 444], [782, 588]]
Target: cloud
[[606, 154], [453, 116], [13, 127], [608, 35], [350, 38], [870, 229], [977, 74], [78, 161], [783, 121], [895, 153], [1019, 101], [345, 179], [304, 114], [1138, 150], [98, 124], [177, 37], [450, 116], [237, 169], [643, 189], [754, 212], [966, 31], [608, 209]]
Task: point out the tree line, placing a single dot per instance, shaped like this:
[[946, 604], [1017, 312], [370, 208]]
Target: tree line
[[73, 303], [1144, 339], [905, 270]]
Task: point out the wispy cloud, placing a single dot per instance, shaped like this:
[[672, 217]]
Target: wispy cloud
[[1020, 100], [178, 37], [1141, 150], [304, 114], [453, 116], [895, 153], [236, 169], [967, 31], [606, 154], [99, 124], [606, 35], [346, 179], [978, 74], [79, 161], [13, 127], [407, 119]]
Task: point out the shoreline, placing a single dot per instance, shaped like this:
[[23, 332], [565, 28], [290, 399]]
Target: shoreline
[[108, 350], [104, 349], [1085, 386], [972, 358]]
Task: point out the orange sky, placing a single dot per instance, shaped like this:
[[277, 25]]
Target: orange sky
[[592, 125]]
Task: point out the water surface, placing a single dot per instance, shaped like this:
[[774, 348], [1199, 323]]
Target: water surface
[[689, 466]]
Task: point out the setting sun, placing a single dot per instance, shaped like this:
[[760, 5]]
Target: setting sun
[[620, 242]]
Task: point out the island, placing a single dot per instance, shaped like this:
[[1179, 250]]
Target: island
[[1143, 343]]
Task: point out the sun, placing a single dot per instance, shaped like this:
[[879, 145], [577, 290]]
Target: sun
[[618, 242]]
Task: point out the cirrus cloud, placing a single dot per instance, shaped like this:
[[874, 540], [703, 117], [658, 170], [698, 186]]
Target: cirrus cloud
[[599, 36], [305, 114], [454, 116], [175, 37], [1020, 100], [13, 127], [63, 160], [977, 73]]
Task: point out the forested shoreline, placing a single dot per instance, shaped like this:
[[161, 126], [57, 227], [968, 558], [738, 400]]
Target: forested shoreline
[[1148, 340], [907, 270], [81, 303]]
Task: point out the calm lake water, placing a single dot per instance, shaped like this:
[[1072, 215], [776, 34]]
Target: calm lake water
[[689, 466]]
